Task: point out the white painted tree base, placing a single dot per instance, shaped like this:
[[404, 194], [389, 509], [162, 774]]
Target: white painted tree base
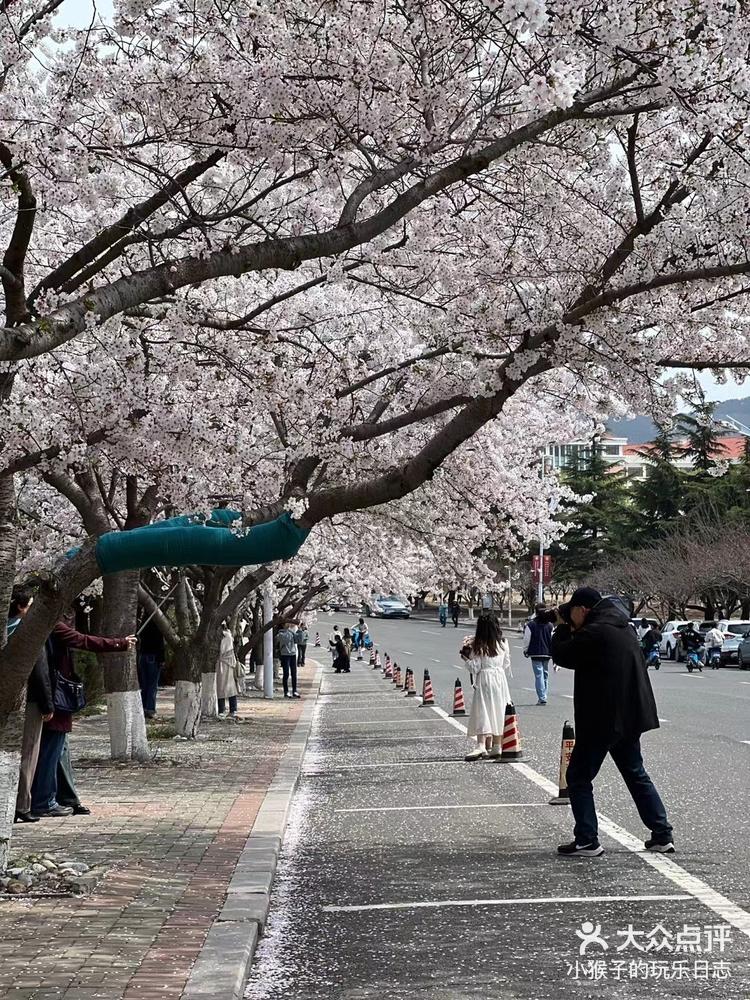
[[187, 708], [127, 726], [10, 762], [209, 701]]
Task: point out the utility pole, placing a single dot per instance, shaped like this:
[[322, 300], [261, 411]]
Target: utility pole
[[540, 583], [268, 641], [510, 598]]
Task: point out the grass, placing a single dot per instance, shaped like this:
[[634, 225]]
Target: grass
[[161, 731]]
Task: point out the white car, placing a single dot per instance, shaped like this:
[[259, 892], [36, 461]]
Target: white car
[[734, 629], [668, 646]]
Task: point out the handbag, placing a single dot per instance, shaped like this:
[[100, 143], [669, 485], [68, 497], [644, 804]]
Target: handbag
[[70, 694]]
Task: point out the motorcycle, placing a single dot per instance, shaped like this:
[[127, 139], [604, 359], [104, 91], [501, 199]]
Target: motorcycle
[[653, 658], [714, 658], [693, 660]]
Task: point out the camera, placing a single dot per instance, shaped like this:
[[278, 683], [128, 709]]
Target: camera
[[564, 612]]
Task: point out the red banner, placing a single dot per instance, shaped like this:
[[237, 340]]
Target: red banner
[[548, 567]]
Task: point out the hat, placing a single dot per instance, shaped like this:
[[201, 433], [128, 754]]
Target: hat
[[584, 597]]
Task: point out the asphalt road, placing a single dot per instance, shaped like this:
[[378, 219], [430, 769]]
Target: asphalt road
[[409, 873]]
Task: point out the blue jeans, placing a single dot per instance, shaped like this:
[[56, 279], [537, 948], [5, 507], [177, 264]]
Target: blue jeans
[[67, 793], [148, 680], [44, 788], [540, 666], [584, 765]]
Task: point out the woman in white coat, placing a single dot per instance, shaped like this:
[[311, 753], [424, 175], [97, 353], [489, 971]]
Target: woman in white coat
[[487, 657], [226, 675]]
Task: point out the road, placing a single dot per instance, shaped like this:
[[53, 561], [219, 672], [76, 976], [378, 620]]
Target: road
[[409, 873]]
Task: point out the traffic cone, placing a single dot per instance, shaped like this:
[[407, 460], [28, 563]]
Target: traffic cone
[[372, 659], [387, 667], [566, 749], [377, 658], [411, 691], [317, 638], [511, 736], [459, 708], [406, 679], [397, 675], [428, 696]]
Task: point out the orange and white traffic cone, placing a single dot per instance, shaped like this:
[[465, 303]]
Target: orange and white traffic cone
[[372, 658], [411, 691], [387, 667], [396, 674], [406, 679], [459, 708], [317, 638], [566, 749], [511, 736], [377, 659], [428, 695]]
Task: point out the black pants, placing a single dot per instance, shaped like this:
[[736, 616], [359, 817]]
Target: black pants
[[222, 702], [454, 616], [301, 654], [289, 666], [585, 762]]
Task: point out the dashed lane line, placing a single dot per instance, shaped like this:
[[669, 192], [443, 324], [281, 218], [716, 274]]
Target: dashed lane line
[[719, 904], [534, 901], [464, 805]]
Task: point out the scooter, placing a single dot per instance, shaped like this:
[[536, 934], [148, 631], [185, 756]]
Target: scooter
[[693, 660], [714, 658], [654, 658]]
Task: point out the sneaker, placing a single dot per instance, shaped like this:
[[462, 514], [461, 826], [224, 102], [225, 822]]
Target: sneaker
[[581, 850], [541, 703], [221, 715], [477, 754], [659, 846], [287, 695], [296, 694], [494, 753]]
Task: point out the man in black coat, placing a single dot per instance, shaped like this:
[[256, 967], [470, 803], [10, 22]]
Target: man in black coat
[[614, 704]]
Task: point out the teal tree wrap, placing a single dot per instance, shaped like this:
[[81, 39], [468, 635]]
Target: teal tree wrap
[[188, 541]]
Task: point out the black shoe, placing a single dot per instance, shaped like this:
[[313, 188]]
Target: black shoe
[[659, 846], [296, 694], [22, 817], [287, 695], [80, 810], [56, 810], [574, 850]]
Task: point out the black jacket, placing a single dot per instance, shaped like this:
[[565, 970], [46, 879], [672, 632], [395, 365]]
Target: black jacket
[[612, 693], [41, 685]]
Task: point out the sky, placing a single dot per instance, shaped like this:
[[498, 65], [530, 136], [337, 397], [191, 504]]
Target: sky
[[80, 12]]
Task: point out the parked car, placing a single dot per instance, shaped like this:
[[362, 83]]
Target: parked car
[[743, 652], [669, 639], [636, 624], [387, 607]]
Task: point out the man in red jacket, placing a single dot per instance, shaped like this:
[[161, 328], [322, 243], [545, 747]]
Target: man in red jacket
[[62, 641]]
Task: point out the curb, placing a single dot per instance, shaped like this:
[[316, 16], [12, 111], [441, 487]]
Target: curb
[[222, 967]]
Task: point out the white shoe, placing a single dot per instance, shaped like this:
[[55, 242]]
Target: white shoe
[[494, 753], [221, 715], [477, 754]]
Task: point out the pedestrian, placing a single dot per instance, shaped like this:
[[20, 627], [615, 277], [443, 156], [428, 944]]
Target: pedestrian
[[714, 640], [287, 645], [300, 637], [227, 669], [151, 657], [59, 648], [39, 709], [442, 614], [363, 633], [342, 660], [536, 640], [333, 638], [455, 612], [348, 640], [487, 657], [614, 705]]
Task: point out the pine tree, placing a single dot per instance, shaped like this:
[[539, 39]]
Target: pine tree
[[594, 535], [703, 447], [656, 501]]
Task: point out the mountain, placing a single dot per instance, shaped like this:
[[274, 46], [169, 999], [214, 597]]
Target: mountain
[[640, 429]]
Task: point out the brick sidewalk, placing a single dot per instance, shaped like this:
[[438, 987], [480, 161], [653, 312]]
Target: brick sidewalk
[[169, 836]]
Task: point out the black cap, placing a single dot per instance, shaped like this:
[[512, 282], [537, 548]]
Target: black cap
[[585, 597]]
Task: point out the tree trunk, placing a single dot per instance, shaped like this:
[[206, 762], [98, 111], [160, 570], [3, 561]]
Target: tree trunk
[[127, 725], [8, 537], [11, 734], [209, 702], [187, 694]]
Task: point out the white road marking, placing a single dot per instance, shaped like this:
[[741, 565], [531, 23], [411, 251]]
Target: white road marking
[[663, 720], [567, 696], [351, 745], [389, 764], [427, 631], [436, 661], [380, 722], [449, 719], [745, 741], [556, 900], [480, 805], [697, 888], [406, 652]]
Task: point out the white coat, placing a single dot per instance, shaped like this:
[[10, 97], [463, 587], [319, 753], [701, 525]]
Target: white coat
[[226, 681], [491, 692]]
